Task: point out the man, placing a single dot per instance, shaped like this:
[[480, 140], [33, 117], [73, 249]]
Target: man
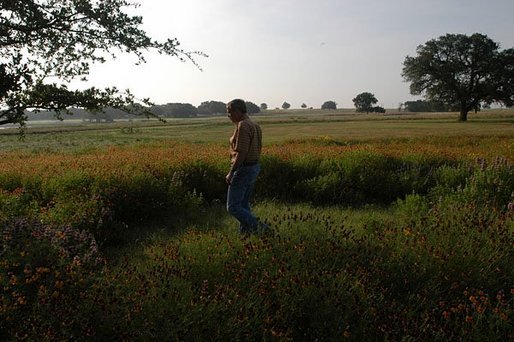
[[245, 150]]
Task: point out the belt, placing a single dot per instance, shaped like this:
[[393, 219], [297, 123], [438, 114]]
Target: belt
[[250, 163]]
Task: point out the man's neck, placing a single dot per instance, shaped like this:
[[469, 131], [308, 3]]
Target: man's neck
[[243, 117]]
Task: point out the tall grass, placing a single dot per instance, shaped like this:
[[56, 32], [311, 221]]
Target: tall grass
[[106, 190], [409, 244]]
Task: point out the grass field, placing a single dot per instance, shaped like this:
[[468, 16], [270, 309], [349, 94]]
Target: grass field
[[387, 227], [279, 127]]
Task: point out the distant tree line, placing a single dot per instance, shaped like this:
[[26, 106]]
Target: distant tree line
[[454, 72], [426, 106], [108, 114], [169, 110]]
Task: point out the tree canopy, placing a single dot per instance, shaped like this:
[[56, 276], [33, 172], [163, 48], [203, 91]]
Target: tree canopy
[[178, 110], [329, 105], [286, 105], [44, 44], [212, 107], [252, 108], [364, 102], [462, 71]]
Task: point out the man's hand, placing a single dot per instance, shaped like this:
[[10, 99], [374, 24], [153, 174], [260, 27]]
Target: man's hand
[[228, 177]]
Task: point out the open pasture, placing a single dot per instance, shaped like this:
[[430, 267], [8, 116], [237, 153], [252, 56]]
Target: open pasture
[[279, 127], [386, 228]]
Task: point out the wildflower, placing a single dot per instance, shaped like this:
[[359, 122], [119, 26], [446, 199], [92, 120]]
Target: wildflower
[[42, 290], [481, 162], [22, 300], [27, 270], [42, 270]]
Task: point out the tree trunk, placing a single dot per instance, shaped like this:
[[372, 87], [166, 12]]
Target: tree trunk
[[463, 114]]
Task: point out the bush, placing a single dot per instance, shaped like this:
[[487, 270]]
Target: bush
[[450, 178], [378, 109], [17, 204], [492, 184]]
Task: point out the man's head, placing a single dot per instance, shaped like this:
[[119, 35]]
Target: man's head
[[236, 110]]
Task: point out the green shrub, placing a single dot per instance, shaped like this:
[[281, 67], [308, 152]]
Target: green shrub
[[491, 184], [361, 177], [17, 204], [327, 189], [205, 179], [10, 181], [412, 209], [450, 178]]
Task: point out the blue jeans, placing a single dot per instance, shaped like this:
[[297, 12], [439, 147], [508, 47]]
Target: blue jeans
[[238, 197]]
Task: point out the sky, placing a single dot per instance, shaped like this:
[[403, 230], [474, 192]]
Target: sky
[[298, 51]]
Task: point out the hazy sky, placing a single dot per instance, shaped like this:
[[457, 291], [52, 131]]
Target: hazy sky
[[295, 50]]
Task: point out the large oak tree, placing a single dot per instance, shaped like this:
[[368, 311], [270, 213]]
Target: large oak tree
[[462, 71], [44, 44]]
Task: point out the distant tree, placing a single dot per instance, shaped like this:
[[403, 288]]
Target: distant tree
[[286, 105], [212, 107], [364, 102], [179, 110], [107, 114], [378, 109], [329, 105], [425, 106], [463, 71], [44, 44], [99, 117], [264, 106], [304, 105], [252, 108]]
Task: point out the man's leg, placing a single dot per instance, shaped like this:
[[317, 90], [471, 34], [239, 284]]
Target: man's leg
[[260, 227], [249, 190], [238, 195]]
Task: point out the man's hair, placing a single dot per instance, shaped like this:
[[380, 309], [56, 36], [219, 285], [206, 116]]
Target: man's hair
[[237, 104]]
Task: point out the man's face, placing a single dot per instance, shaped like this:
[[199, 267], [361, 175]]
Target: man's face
[[232, 114]]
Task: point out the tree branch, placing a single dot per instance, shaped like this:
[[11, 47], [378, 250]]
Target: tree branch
[[6, 121]]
